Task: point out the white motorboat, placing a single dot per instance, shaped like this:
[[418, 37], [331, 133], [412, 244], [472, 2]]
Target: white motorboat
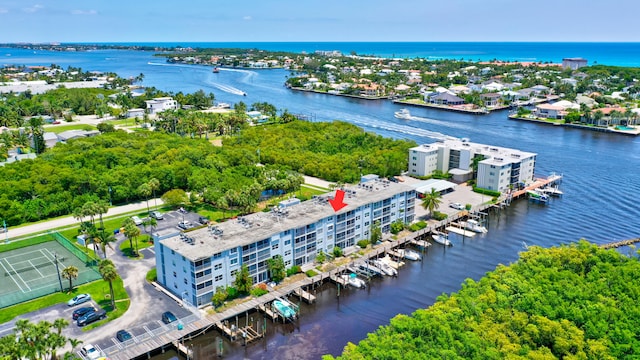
[[475, 226], [553, 191], [409, 254], [441, 238], [537, 196], [384, 267], [354, 281], [402, 114]]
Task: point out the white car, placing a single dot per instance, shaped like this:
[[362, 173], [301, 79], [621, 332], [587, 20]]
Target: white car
[[457, 206], [156, 215], [136, 220], [79, 299], [90, 352]]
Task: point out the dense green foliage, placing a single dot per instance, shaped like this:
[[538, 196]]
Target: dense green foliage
[[335, 151], [113, 166], [572, 302]]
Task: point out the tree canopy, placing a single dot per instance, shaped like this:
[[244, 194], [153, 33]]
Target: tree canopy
[[574, 302]]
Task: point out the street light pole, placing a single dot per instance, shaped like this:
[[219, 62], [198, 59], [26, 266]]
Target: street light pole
[[55, 256]]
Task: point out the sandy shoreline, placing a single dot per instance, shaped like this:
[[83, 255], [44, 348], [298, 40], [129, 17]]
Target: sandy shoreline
[[40, 87]]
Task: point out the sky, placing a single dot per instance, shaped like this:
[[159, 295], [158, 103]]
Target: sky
[[327, 20]]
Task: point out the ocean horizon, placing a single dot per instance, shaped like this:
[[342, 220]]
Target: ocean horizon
[[606, 53]]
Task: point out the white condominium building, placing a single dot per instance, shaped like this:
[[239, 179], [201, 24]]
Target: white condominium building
[[161, 104], [497, 167], [192, 264]]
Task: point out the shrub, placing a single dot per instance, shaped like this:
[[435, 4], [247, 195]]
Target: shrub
[[418, 226], [259, 290], [311, 273], [468, 207], [337, 251], [232, 293], [295, 269], [396, 227], [321, 257], [363, 243], [439, 216], [486, 191]]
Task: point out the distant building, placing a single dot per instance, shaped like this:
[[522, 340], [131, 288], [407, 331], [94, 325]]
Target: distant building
[[193, 264], [161, 104], [573, 63], [135, 113], [498, 167]]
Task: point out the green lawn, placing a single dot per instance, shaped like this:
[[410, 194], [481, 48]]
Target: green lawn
[[152, 275], [60, 128], [144, 241], [99, 291], [24, 243]]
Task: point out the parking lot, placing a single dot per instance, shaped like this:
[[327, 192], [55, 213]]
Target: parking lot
[[169, 225]]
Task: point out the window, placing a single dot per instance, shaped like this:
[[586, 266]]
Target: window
[[275, 246], [287, 242], [185, 281], [233, 251], [287, 253], [233, 261], [174, 274], [217, 267], [287, 263], [218, 278]]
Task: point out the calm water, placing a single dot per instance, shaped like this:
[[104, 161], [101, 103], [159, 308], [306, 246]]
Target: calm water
[[600, 185]]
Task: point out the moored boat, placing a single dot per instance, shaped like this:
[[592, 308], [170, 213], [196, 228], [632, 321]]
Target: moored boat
[[409, 254], [475, 226], [535, 195], [441, 238], [284, 308], [386, 268], [354, 281]]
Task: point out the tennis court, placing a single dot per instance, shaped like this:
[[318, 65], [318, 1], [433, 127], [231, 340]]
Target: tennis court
[[30, 272]]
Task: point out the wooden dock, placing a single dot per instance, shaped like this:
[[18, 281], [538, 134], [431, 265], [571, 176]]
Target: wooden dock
[[459, 229], [617, 244], [249, 334], [420, 243], [304, 295], [183, 349]]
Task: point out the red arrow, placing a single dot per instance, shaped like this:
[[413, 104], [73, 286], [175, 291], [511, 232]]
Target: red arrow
[[336, 202]]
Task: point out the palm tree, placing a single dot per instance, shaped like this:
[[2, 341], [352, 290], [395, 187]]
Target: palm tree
[[70, 272], [109, 274], [105, 239], [154, 184], [131, 231], [432, 201], [145, 191], [101, 207], [60, 324]]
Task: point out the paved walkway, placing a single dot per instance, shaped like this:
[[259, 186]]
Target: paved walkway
[[70, 220]]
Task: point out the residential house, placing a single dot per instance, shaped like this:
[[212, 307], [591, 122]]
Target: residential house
[[160, 104], [573, 63], [446, 98], [549, 111], [371, 89], [490, 99], [135, 113]]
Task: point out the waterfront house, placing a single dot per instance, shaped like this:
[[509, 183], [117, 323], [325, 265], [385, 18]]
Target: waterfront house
[[497, 167], [191, 265], [490, 99], [549, 111], [160, 104], [445, 98], [371, 89], [135, 113]]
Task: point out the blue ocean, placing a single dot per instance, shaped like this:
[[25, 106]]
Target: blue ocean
[[620, 54]]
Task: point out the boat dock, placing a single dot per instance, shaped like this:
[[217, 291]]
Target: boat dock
[[304, 295], [458, 228]]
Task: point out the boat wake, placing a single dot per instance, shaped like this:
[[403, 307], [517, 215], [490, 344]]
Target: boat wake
[[226, 88], [404, 129]]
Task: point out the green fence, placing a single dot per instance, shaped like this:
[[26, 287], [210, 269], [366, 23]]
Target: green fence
[[88, 260]]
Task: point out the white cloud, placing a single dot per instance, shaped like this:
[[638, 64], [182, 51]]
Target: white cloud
[[247, 18], [34, 8], [84, 12], [3, 11]]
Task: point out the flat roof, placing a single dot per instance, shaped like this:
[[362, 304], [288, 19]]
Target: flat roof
[[263, 225], [486, 150], [438, 184]]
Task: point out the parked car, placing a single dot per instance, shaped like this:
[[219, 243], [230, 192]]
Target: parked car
[[184, 225], [457, 206], [90, 352], [123, 335], [79, 299], [156, 215], [136, 220], [168, 317], [90, 317], [203, 220], [82, 311]]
